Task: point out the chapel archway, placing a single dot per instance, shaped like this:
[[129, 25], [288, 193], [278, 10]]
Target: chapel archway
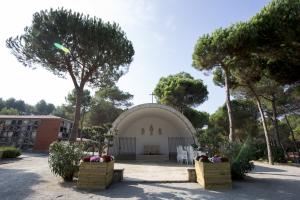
[[154, 129]]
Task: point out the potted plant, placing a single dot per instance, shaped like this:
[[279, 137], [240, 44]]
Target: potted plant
[[96, 172], [213, 173]]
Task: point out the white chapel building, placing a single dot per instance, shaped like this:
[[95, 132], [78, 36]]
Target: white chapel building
[[151, 130]]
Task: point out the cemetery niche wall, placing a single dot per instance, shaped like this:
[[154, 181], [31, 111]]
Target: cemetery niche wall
[[32, 132]]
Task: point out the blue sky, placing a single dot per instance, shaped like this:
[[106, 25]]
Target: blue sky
[[163, 33]]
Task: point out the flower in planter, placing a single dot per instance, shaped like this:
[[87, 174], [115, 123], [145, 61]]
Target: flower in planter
[[202, 158], [95, 159], [107, 158], [87, 159], [216, 159]]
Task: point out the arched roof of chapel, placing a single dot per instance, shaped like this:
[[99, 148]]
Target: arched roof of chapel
[[160, 110]]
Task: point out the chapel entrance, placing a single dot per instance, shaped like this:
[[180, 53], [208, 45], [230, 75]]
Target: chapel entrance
[[125, 148], [150, 132]]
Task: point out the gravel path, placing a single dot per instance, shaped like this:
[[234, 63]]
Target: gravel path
[[30, 178]]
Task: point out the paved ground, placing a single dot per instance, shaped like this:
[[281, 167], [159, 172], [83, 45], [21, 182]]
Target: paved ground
[[30, 178], [143, 171]]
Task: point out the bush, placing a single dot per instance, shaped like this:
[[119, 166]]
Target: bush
[[100, 137], [278, 155], [277, 152], [64, 159], [240, 156], [10, 152], [260, 151]]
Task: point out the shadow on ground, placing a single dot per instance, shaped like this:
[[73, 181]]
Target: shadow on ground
[[149, 163], [31, 179], [17, 184], [266, 169], [264, 189]]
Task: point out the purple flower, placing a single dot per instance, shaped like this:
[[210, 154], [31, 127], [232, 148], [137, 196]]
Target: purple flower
[[95, 159]]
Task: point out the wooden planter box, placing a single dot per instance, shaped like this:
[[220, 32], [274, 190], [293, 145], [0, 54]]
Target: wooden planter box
[[95, 175], [213, 175], [192, 175]]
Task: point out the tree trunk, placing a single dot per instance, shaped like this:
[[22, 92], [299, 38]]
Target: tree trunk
[[293, 137], [81, 122], [275, 125], [275, 122], [270, 157], [74, 133], [228, 105]]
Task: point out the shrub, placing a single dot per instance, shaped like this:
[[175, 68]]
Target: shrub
[[261, 153], [100, 137], [64, 159], [10, 152], [240, 156], [278, 155]]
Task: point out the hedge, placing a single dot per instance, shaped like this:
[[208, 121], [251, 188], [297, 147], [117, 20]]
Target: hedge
[[10, 152]]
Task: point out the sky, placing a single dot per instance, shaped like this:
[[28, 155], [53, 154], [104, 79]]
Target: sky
[[163, 33]]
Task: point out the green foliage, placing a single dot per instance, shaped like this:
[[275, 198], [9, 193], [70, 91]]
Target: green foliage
[[85, 102], [64, 111], [99, 53], [12, 106], [16, 104], [100, 137], [102, 112], [261, 153], [211, 139], [9, 111], [219, 78], [245, 117], [248, 57], [295, 125], [197, 118], [117, 97], [10, 152], [240, 156], [291, 101], [276, 38], [44, 108], [64, 158], [214, 51], [278, 154], [2, 103], [99, 48], [181, 91]]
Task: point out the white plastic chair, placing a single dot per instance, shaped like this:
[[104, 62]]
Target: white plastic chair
[[182, 155], [179, 153], [191, 154]]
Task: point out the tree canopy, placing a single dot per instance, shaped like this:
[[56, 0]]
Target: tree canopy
[[97, 53], [197, 118], [180, 91], [44, 108], [116, 96], [276, 40]]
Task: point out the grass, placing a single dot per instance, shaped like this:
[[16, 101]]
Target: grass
[[10, 152]]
